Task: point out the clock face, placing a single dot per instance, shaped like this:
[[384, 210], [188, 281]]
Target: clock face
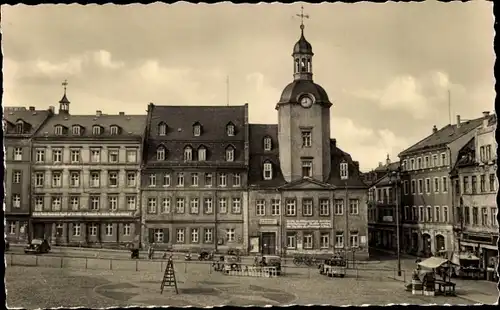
[[306, 102]]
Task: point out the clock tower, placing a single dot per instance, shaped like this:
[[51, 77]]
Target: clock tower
[[304, 121]]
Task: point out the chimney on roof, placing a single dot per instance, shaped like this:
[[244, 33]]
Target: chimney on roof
[[32, 108], [458, 121], [380, 164], [486, 119], [388, 160], [334, 142], [52, 109], [121, 113], [98, 113], [356, 164], [434, 129]]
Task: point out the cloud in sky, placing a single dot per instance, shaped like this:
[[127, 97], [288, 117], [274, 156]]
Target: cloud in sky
[[388, 89]]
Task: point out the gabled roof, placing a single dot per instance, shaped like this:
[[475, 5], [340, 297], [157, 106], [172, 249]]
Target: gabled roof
[[444, 136], [466, 155], [306, 181], [130, 125], [213, 119], [337, 156], [388, 167], [31, 117]]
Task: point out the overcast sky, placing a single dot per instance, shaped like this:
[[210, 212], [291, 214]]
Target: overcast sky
[[386, 67]]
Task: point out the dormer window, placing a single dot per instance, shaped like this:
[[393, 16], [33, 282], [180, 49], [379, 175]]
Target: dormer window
[[230, 153], [20, 127], [196, 130], [160, 153], [96, 130], [188, 153], [114, 130], [267, 171], [76, 130], [230, 130], [344, 171], [162, 129], [267, 144], [59, 130], [202, 153]]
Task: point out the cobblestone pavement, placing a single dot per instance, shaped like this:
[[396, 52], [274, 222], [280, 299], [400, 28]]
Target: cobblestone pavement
[[54, 287]]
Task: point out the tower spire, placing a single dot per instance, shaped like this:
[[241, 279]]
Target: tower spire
[[302, 16], [64, 102], [302, 53]]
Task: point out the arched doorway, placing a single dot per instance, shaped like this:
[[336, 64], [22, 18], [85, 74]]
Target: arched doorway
[[426, 245], [440, 244]]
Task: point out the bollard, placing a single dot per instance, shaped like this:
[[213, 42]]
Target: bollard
[[185, 267], [36, 260], [86, 262], [62, 261], [137, 265]]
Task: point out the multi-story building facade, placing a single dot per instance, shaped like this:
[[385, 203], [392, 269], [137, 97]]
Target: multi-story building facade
[[85, 178], [194, 177], [474, 194], [384, 196], [20, 124], [305, 194], [427, 212]]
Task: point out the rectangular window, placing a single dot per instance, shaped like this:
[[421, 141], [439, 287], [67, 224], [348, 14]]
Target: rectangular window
[[444, 161], [109, 230], [354, 206], [492, 182], [324, 207], [475, 216], [179, 206], [445, 214], [165, 205], [474, 184], [437, 214], [16, 177], [113, 156], [484, 216], [414, 213], [93, 229], [76, 230], [57, 156], [466, 184], [40, 156], [202, 154], [466, 215], [307, 207], [344, 171], [131, 202], [208, 179], [222, 205], [18, 153], [421, 215], [208, 205], [427, 162], [436, 185], [306, 168], [339, 239], [420, 186], [339, 206], [413, 187], [194, 206], [152, 180], [56, 179], [75, 156], [419, 163], [39, 203], [230, 234], [131, 156], [127, 229], [131, 182], [180, 179], [435, 160], [74, 203], [56, 203], [324, 240], [275, 207], [222, 179], [195, 235], [158, 235], [306, 138], [95, 179], [181, 233], [95, 202], [482, 183], [407, 213], [307, 242], [427, 186], [167, 180], [16, 201], [291, 207], [74, 179], [291, 240], [194, 179], [412, 164], [236, 206], [152, 205], [95, 155], [405, 187], [268, 171], [39, 179], [113, 178], [260, 207], [493, 213], [354, 240], [236, 180], [429, 214], [113, 202], [208, 236]]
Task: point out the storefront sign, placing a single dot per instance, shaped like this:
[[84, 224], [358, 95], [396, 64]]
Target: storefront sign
[[308, 224], [82, 214], [387, 218], [268, 221]]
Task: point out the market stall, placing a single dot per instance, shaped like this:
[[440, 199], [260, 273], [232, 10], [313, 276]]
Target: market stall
[[439, 268]]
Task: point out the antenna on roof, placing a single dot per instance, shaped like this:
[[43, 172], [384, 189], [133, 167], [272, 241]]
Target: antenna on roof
[[449, 105], [227, 90]]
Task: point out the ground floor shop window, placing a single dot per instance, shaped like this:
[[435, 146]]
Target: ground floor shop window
[[12, 228], [308, 240], [291, 240], [325, 240]]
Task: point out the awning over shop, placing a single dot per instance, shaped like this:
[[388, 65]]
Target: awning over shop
[[435, 262]]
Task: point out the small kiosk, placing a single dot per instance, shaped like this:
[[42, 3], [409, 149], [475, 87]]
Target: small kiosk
[[432, 276]]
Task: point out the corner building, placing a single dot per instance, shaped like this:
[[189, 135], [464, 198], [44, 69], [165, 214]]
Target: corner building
[[298, 201], [85, 178], [194, 177]]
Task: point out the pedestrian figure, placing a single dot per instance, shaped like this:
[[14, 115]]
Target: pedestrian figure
[[256, 261], [150, 252]]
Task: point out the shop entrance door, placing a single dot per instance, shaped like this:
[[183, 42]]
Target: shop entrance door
[[268, 243]]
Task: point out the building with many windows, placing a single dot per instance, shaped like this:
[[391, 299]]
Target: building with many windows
[[305, 194], [20, 124], [426, 196], [85, 178], [474, 194], [194, 177]]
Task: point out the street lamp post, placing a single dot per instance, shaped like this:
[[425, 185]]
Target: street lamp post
[[395, 177]]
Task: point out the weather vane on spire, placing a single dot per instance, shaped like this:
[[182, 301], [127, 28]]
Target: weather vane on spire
[[65, 84], [302, 16]]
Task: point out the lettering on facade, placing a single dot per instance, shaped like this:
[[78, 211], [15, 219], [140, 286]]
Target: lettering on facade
[[82, 214], [268, 221], [308, 224]]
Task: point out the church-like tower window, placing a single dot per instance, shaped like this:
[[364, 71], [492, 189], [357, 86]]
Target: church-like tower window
[[230, 130], [307, 166], [59, 130], [202, 153], [306, 138], [76, 130], [162, 129], [96, 130], [188, 153], [267, 171], [268, 144], [160, 153], [230, 153], [196, 130]]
